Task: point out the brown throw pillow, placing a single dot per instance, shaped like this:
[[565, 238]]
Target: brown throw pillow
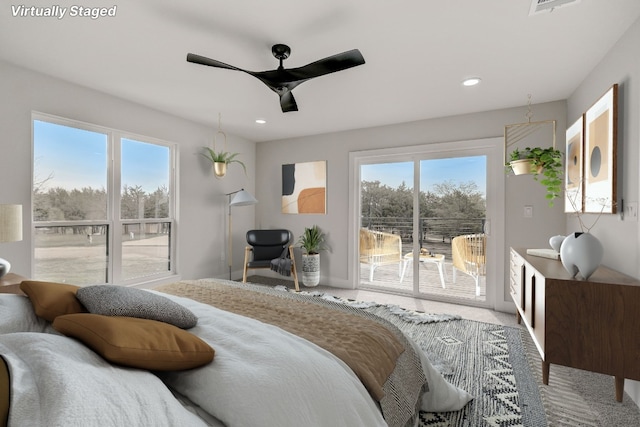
[[139, 343], [51, 300]]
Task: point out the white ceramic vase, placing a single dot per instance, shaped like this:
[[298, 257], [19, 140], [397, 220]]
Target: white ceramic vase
[[581, 253], [310, 269], [5, 266], [556, 241]]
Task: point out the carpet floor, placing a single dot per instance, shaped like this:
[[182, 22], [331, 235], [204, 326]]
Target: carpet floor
[[500, 366]]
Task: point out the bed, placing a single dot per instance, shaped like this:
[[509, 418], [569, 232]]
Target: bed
[[208, 352]]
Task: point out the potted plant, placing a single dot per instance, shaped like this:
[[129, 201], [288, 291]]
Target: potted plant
[[539, 161], [220, 160], [312, 242]]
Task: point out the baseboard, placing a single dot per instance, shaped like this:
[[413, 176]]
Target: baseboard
[[632, 388]]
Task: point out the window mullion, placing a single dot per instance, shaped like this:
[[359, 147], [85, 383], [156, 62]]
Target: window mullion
[[115, 260]]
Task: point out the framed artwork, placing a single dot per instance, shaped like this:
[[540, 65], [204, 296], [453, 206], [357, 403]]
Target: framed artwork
[[573, 201], [304, 188], [600, 145]]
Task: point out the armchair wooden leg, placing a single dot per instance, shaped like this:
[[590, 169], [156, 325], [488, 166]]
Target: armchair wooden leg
[[294, 271], [247, 250]]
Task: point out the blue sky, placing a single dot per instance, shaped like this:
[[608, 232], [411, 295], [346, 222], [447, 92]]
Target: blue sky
[[140, 165], [77, 158], [433, 171]]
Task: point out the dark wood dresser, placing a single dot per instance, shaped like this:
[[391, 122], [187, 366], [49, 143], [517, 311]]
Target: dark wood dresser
[[10, 284], [586, 324]]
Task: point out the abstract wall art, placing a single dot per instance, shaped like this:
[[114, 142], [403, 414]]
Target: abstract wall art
[[304, 188], [601, 125], [573, 167]]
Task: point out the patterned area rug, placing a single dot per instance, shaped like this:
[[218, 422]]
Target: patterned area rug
[[484, 359], [500, 366], [489, 362]]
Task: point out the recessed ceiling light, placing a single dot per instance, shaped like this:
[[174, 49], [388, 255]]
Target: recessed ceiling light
[[471, 81], [261, 121]]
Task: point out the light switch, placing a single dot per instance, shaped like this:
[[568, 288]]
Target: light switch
[[528, 211]]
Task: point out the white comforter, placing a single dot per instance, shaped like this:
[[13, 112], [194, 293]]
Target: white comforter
[[264, 376], [260, 376]]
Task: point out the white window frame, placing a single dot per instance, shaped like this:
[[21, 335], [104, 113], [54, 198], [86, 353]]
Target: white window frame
[[114, 189]]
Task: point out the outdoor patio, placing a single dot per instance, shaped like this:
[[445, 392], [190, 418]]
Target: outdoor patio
[[388, 276]]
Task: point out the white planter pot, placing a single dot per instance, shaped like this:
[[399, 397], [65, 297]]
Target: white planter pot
[[310, 269], [524, 166]]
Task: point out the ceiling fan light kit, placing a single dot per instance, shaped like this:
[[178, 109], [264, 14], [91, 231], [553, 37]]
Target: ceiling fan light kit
[[282, 81]]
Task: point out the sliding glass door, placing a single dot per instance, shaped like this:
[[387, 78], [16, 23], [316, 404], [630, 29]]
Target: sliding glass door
[[386, 232], [423, 223]]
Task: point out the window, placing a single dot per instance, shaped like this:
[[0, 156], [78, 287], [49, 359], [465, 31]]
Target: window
[[103, 204]]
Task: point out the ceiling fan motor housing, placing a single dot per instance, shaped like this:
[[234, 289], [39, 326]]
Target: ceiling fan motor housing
[[281, 51]]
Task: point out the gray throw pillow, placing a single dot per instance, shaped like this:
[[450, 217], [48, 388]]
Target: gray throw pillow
[[111, 300]]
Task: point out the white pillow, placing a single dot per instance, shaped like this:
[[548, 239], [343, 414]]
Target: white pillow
[[58, 380], [17, 315]]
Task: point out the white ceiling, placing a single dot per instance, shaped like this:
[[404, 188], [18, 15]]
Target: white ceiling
[[417, 52]]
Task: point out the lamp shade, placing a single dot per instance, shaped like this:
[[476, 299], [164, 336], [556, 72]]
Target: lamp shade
[[10, 223], [243, 198]]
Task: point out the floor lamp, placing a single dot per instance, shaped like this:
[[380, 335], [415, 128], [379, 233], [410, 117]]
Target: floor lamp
[[241, 198], [10, 230]]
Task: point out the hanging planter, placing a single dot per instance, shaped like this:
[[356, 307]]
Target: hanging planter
[[545, 162], [221, 159], [537, 161]]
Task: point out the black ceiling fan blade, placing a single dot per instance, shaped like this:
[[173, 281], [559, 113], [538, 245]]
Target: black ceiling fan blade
[[203, 60], [282, 81], [341, 61], [288, 102]]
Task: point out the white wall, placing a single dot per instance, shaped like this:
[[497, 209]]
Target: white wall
[[620, 238], [202, 207], [335, 148]]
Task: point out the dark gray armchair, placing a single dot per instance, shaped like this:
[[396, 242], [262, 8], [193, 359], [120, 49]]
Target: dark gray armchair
[[265, 246]]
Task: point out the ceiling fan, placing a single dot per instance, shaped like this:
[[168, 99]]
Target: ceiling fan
[[283, 81]]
